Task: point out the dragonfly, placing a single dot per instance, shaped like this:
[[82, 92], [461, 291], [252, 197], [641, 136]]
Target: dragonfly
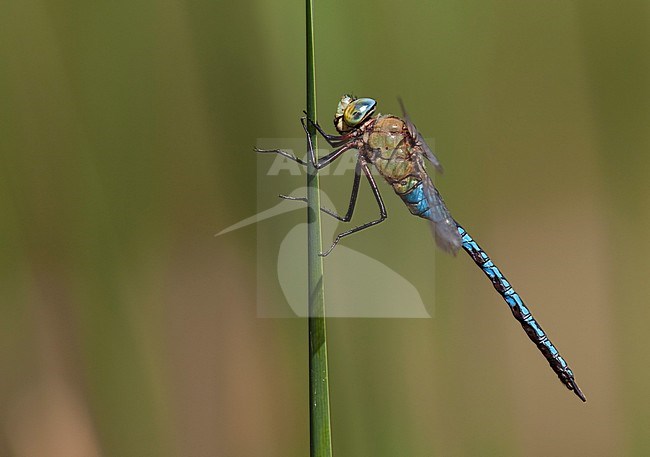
[[397, 150]]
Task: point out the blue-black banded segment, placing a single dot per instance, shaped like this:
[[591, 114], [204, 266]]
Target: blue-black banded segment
[[521, 312]]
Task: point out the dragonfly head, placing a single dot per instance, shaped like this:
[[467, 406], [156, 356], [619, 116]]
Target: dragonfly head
[[352, 112]]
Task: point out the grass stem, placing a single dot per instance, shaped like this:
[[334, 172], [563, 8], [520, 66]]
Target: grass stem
[[320, 442]]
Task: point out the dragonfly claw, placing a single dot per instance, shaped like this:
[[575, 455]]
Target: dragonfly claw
[[326, 253], [292, 198]]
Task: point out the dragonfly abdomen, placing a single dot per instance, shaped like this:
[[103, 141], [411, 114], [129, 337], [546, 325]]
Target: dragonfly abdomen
[[520, 312], [414, 196]]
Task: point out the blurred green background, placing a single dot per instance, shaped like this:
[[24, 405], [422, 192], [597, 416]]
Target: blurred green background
[[126, 131]]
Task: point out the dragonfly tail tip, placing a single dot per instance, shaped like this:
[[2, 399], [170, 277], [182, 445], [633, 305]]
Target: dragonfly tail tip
[[577, 391]]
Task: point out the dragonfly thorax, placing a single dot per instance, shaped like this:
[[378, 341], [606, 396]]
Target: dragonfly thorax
[[388, 132], [390, 149]]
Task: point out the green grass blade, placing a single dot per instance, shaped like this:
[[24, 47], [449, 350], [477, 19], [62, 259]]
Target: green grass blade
[[319, 405]]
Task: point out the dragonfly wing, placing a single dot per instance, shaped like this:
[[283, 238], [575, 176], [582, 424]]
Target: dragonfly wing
[[419, 139], [428, 153], [444, 227]]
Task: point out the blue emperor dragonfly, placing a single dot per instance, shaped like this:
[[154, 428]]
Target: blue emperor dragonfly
[[397, 150]]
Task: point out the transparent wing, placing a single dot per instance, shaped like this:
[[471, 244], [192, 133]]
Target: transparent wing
[[443, 225], [424, 147]]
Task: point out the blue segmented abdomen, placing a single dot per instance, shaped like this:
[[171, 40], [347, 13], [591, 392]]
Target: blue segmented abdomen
[[416, 201], [423, 200], [520, 312]]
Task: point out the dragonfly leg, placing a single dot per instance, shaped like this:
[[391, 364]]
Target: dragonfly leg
[[342, 143], [286, 154], [353, 198], [329, 158], [319, 164], [332, 140], [380, 203]]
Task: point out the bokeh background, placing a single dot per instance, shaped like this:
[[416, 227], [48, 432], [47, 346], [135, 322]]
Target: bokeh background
[[126, 130]]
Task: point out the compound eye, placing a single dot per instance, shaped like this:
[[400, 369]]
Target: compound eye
[[358, 111]]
